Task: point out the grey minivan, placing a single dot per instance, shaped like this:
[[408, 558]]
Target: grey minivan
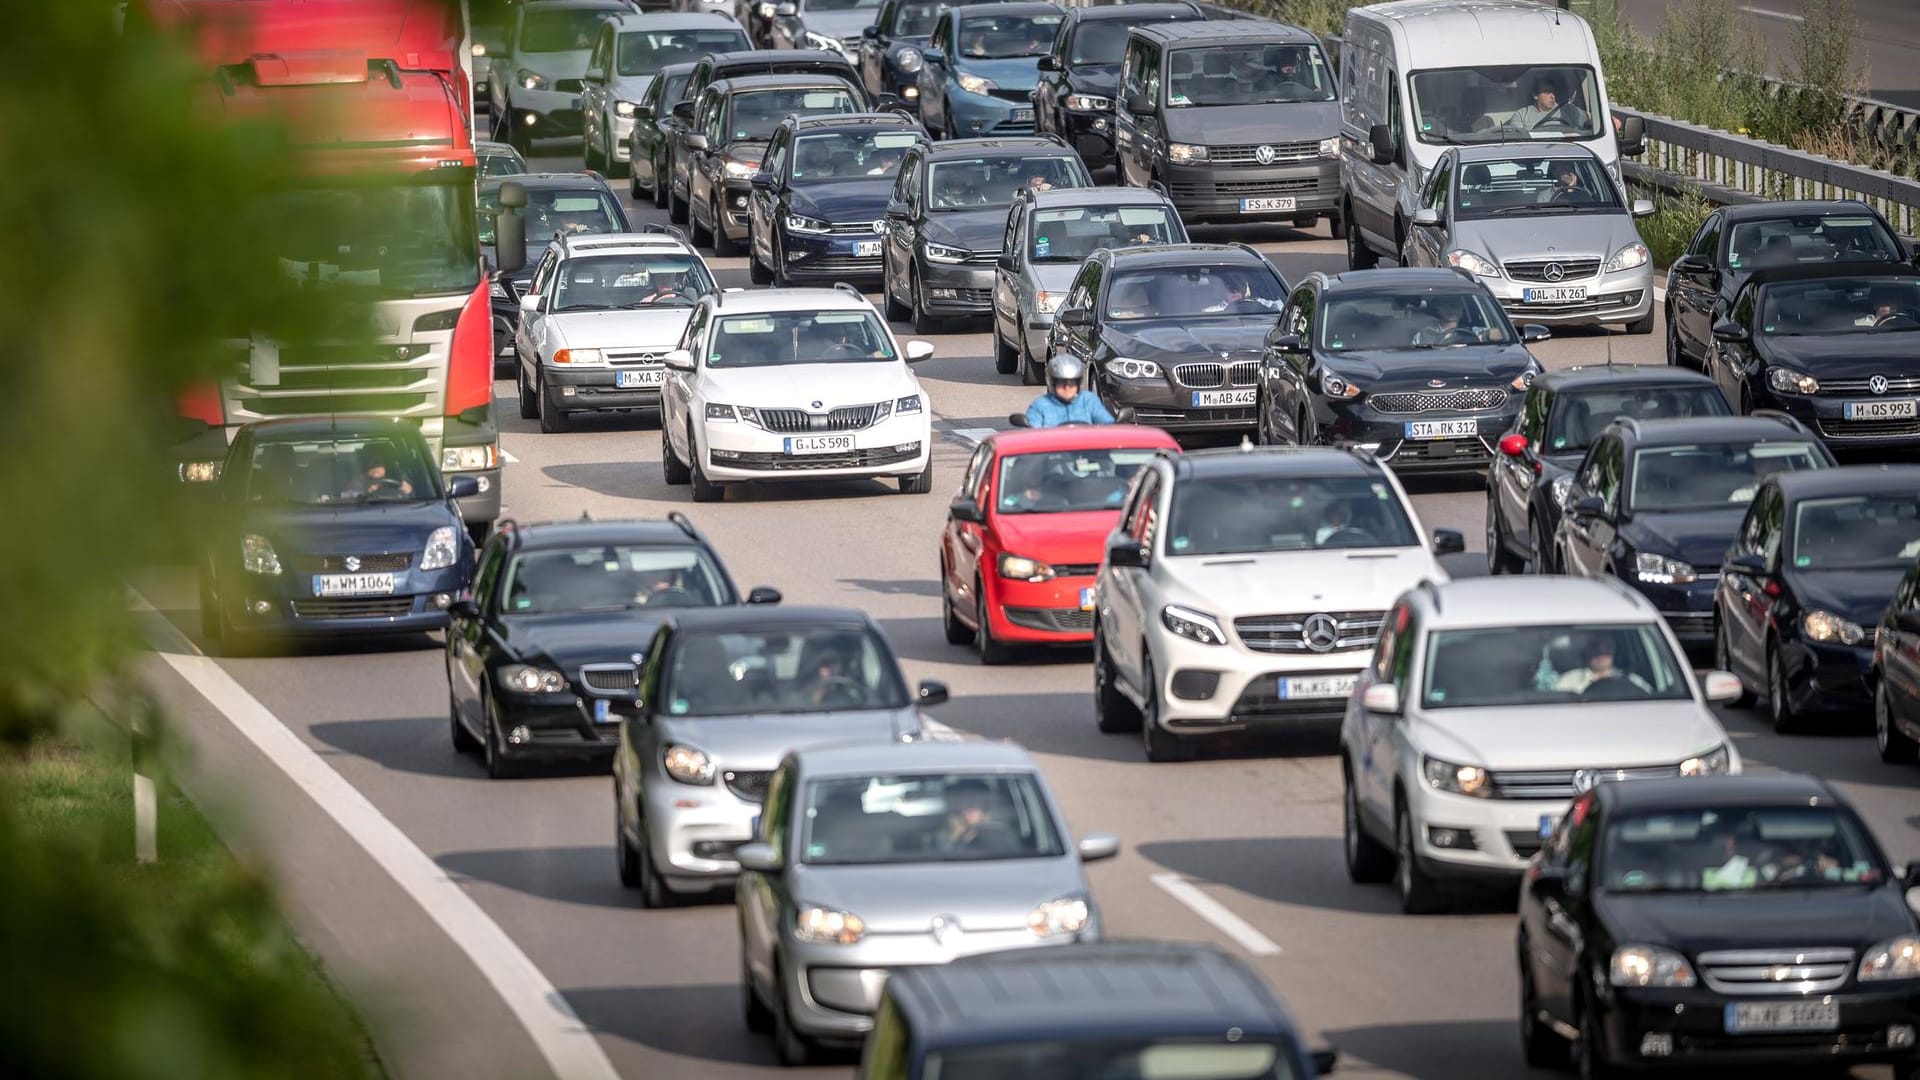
[[1235, 120]]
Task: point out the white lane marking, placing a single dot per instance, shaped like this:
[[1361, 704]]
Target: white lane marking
[[1660, 294], [1768, 13], [939, 732], [569, 1048], [974, 435], [1216, 913], [506, 455]]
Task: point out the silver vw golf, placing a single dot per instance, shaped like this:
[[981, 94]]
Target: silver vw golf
[[876, 857]]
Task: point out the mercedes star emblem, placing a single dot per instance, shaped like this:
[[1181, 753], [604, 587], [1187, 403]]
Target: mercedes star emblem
[[1263, 154], [1877, 384], [1322, 632], [1554, 272], [352, 562]]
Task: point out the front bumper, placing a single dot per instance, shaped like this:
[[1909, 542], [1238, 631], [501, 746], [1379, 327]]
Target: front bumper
[[897, 446], [552, 112], [733, 208], [1621, 297], [972, 115], [1695, 1020], [1829, 676], [1216, 193], [1827, 416], [956, 288], [1058, 611], [579, 390], [555, 731], [1391, 435], [1482, 840], [1163, 403], [622, 143], [1037, 327], [835, 256], [1688, 609], [484, 508], [1091, 135], [293, 610], [1208, 688], [694, 831]]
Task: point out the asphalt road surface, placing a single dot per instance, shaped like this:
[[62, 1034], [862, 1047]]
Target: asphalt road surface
[[1886, 48], [1254, 828]]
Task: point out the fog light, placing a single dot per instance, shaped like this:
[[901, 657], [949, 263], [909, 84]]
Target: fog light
[[1900, 1036], [1656, 1044], [796, 256], [944, 294], [714, 849], [1452, 839], [261, 607], [443, 601], [725, 455], [567, 391], [739, 202], [519, 735], [910, 93], [1195, 685], [908, 448], [531, 119], [486, 484]]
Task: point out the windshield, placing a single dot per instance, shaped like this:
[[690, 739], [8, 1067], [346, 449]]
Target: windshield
[[1857, 532], [1500, 104], [565, 30], [501, 163], [1550, 665], [1712, 476], [1580, 416], [1169, 292], [1069, 236], [1239, 515], [781, 671], [610, 577], [1064, 481], [1840, 305], [1738, 848], [799, 337], [1004, 37], [915, 20], [603, 282], [1411, 320], [984, 182], [753, 114], [576, 212], [849, 155], [1810, 238], [646, 52], [1119, 1059], [343, 470], [1523, 186], [928, 817], [386, 239], [1248, 75], [1099, 41]]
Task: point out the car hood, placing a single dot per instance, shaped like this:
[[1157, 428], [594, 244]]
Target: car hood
[[630, 87], [571, 64], [903, 41], [1859, 595], [904, 898], [1548, 235], [757, 741], [352, 529], [1225, 125], [1832, 356], [1849, 916], [1458, 366], [1101, 79], [796, 385], [975, 230], [1012, 73], [1591, 735], [1239, 336], [1358, 579], [843, 200], [1078, 536], [569, 640], [841, 25], [1054, 277], [657, 329], [1700, 537]]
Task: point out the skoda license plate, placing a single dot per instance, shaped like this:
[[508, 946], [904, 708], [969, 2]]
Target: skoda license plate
[[1878, 410], [1442, 429], [1086, 598], [867, 249], [1023, 116], [602, 711], [1304, 687], [820, 444], [353, 585], [1558, 294], [627, 380], [1761, 1016], [1260, 206], [1209, 398]]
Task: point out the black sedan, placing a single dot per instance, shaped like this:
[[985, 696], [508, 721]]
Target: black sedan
[[1816, 562], [650, 144], [818, 208], [1420, 367], [1564, 410], [1896, 673], [557, 626], [1696, 922], [1078, 78], [332, 526], [1174, 331]]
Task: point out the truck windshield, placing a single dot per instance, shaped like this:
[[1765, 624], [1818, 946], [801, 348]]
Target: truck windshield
[[392, 239], [1506, 103]]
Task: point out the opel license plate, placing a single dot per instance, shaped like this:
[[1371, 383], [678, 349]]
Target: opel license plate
[[1442, 429], [1307, 687], [1086, 598], [1760, 1016], [627, 380], [1878, 410], [1559, 294], [1207, 398], [353, 585], [820, 444], [867, 249], [1260, 206]]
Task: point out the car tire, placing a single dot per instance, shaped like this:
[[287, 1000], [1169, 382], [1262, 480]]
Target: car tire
[[723, 245], [1032, 372], [920, 483], [1418, 894], [1589, 1053], [1337, 226], [1543, 562], [662, 186], [923, 321], [1369, 862], [699, 234], [780, 278], [676, 206], [756, 271], [957, 632], [794, 1049], [992, 653], [498, 767], [654, 892], [1113, 713], [1674, 356], [704, 490], [1161, 745], [462, 739], [552, 420], [212, 618], [518, 137], [896, 311], [1006, 359], [634, 190], [529, 405], [1499, 559], [1779, 702], [1542, 1047], [1359, 255], [626, 859], [753, 1012], [616, 169], [1896, 748], [1643, 325], [590, 159], [672, 469], [1723, 661]]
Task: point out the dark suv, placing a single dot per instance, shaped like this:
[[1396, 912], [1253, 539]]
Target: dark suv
[[1238, 119], [893, 49], [1420, 367], [1074, 97], [733, 122], [819, 202], [1174, 331]]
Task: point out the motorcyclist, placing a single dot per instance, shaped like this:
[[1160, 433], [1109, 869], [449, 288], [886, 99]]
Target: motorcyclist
[[1064, 403]]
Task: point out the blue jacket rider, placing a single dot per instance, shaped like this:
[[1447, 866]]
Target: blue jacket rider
[[1064, 402]]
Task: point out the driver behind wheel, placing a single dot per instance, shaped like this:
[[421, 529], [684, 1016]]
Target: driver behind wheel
[[1567, 187], [830, 672], [1599, 668], [380, 476]]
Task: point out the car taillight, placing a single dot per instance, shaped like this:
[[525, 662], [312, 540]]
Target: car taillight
[[470, 358]]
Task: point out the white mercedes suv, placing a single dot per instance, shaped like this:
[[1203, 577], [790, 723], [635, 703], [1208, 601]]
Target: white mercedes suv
[[1246, 587], [1490, 703], [793, 384]]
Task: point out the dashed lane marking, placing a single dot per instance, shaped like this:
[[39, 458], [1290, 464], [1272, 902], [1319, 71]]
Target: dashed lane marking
[[506, 455], [1216, 913], [973, 436]]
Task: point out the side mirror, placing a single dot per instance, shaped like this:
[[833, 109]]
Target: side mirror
[[697, 143], [683, 110], [786, 11], [1547, 881], [642, 111], [1728, 330], [1908, 622], [1018, 420], [1096, 846], [1049, 62], [1514, 445], [931, 693], [1139, 104], [1532, 333], [513, 195], [1075, 317], [1588, 507], [887, 102], [1749, 563], [1282, 342], [897, 211], [869, 31], [1632, 136], [1427, 216], [1128, 552], [463, 487], [934, 56], [679, 360], [758, 858], [918, 350], [1722, 686], [465, 608], [762, 181], [529, 301], [1325, 1061], [966, 509], [1381, 698], [1448, 542], [1910, 875], [763, 594], [509, 238], [1643, 208], [1380, 139]]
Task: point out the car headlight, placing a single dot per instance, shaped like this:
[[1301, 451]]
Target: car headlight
[[943, 254], [531, 80], [1789, 381], [466, 458], [1330, 147], [820, 41], [200, 472], [623, 108], [1525, 379], [828, 926], [1019, 568], [909, 404], [1459, 779], [577, 356], [1089, 103], [1826, 626], [1649, 965], [1127, 368], [1634, 254], [804, 224], [687, 765], [1185, 153], [1894, 958], [1336, 387], [740, 170], [441, 551], [765, 11], [496, 291], [257, 555], [1193, 625], [1047, 302], [975, 84], [1712, 763], [1471, 263], [908, 59], [1660, 570], [1067, 915], [1562, 485], [721, 414], [527, 679]]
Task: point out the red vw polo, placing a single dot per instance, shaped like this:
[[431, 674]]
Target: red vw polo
[[1023, 538]]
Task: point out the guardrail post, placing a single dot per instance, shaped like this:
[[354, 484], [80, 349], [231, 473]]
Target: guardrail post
[[146, 810]]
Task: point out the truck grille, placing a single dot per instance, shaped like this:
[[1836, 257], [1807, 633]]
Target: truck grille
[[1057, 620], [1288, 634], [1776, 971], [610, 678], [1559, 783], [1202, 376], [1570, 269], [379, 379], [1440, 400], [789, 421], [1283, 153], [367, 564], [751, 786]]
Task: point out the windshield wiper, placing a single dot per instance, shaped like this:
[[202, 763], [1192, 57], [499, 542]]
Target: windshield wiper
[[1534, 208]]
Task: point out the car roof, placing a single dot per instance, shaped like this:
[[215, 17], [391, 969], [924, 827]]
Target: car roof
[[675, 20], [1213, 32], [1179, 254], [565, 533], [1771, 211], [751, 301], [1848, 480], [1302, 461], [1533, 600], [1467, 155], [605, 243], [851, 120], [1004, 7], [1715, 429], [783, 80], [1094, 437], [1131, 988], [578, 5], [488, 146], [1397, 278], [771, 617], [953, 148], [854, 759], [1821, 271], [763, 57], [1575, 378], [547, 181], [1789, 789], [1055, 198], [1107, 12]]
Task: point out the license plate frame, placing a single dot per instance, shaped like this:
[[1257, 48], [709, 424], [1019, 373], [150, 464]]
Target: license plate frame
[[866, 249], [802, 445], [1217, 399], [1554, 294], [1023, 116], [1087, 601], [1883, 409], [1315, 687], [1441, 429], [1772, 1017], [1273, 204], [639, 378], [342, 585]]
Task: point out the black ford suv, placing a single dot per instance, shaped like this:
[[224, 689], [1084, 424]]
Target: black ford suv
[[1078, 78]]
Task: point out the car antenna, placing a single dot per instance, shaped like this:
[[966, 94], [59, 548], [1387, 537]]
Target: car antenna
[[1609, 333]]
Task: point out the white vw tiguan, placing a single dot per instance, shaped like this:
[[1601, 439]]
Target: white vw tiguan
[[793, 384], [1490, 703], [1246, 587]]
